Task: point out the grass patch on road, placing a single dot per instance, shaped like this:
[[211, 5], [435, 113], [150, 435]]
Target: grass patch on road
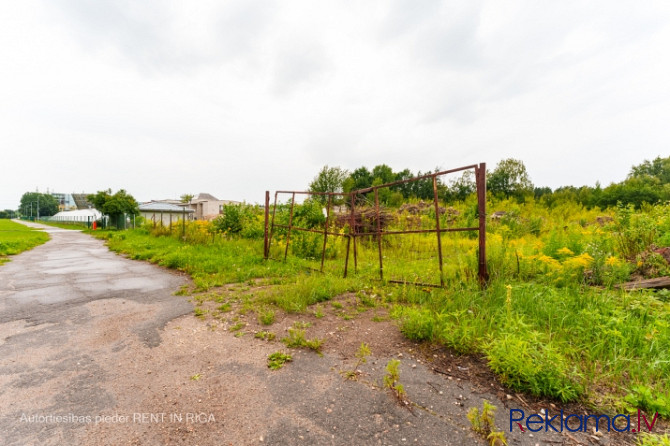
[[16, 238]]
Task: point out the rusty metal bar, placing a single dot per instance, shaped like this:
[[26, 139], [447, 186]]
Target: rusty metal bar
[[316, 231], [379, 235], [346, 258], [325, 231], [290, 222], [480, 178], [311, 193], [418, 231], [437, 226], [266, 245], [352, 233], [272, 225], [353, 229]]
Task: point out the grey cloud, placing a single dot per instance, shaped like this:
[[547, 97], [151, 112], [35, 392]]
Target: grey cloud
[[296, 64], [156, 38]]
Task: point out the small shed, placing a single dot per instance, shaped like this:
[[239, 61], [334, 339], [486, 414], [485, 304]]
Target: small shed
[[161, 213]]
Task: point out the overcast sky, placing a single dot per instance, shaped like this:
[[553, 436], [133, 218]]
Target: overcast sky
[[232, 98]]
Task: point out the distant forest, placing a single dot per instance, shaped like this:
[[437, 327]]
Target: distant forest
[[648, 182]]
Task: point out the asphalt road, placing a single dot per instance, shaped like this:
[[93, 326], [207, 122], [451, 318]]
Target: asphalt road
[[52, 298]]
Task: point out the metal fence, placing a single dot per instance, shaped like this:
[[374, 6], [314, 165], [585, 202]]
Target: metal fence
[[404, 244]]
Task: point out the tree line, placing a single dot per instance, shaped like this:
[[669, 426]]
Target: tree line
[[648, 182]]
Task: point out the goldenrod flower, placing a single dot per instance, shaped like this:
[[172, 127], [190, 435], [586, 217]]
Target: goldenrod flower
[[565, 251], [612, 261]]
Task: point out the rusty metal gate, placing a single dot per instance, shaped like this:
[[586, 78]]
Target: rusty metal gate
[[363, 223]]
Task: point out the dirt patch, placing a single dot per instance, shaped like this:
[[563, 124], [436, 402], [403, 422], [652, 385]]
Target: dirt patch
[[203, 368]]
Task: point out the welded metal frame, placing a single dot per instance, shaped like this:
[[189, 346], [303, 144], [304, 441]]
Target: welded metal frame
[[354, 234]]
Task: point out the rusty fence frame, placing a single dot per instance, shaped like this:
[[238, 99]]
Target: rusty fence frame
[[480, 182]]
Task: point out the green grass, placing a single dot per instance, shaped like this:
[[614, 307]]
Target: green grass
[[16, 238], [210, 265], [540, 324], [63, 225]]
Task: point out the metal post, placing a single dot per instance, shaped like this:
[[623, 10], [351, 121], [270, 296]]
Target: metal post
[[480, 177], [290, 222], [183, 221], [379, 234], [272, 224], [266, 245], [38, 207], [170, 222], [325, 232], [354, 230], [351, 235], [437, 226]]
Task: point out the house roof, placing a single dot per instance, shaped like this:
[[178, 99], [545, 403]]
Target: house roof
[[202, 196], [157, 206]]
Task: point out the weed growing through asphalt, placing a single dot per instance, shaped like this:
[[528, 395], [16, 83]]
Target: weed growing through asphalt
[[296, 339], [266, 316], [237, 326], [277, 360], [362, 356], [392, 381], [265, 335], [224, 308], [484, 424]]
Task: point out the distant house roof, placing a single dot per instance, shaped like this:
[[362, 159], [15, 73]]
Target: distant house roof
[[205, 197], [81, 202], [157, 206]]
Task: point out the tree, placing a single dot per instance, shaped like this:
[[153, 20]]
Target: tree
[[48, 205], [186, 198], [362, 178], [329, 179], [383, 173], [658, 168], [462, 187], [114, 205], [510, 179]]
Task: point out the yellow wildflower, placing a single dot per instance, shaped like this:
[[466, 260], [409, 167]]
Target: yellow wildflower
[[580, 261], [550, 261], [565, 251], [612, 261]]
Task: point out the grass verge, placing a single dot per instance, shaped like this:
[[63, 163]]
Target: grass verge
[[16, 238]]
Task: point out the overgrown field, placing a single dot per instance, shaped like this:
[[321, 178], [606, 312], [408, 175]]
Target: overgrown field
[[16, 238], [551, 321]]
